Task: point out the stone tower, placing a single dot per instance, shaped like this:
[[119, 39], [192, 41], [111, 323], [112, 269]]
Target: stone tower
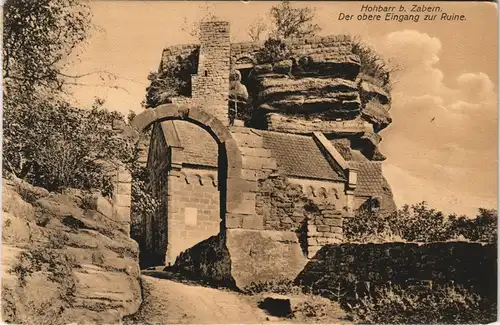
[[210, 86]]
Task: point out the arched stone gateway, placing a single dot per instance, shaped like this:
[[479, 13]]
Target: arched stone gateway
[[236, 186], [236, 198]]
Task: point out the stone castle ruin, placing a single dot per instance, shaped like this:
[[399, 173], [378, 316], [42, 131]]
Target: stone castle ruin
[[248, 201]]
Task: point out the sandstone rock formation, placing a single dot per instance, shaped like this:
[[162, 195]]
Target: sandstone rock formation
[[320, 84], [63, 261]]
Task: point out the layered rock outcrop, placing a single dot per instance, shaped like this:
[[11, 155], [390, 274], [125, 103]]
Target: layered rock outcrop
[[322, 84], [315, 84], [63, 261]]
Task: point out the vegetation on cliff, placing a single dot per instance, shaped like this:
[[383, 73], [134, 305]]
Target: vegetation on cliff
[[64, 259], [420, 223], [54, 239], [443, 304], [46, 141], [289, 22], [174, 79]]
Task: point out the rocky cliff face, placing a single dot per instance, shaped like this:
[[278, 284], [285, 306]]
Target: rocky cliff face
[[63, 261], [325, 84], [321, 84]]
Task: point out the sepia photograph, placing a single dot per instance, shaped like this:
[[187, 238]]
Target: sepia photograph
[[249, 162]]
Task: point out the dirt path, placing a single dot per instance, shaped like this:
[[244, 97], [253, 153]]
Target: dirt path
[[170, 301]]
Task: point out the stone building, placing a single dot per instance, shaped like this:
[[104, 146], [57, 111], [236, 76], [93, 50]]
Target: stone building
[[274, 188]]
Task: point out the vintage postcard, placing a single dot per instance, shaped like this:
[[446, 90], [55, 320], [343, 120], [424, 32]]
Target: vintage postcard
[[249, 162]]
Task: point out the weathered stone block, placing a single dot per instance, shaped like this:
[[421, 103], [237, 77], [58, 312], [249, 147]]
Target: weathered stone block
[[234, 221], [235, 184], [258, 256], [244, 207], [124, 177], [249, 196], [122, 214], [336, 230], [234, 169], [167, 111], [220, 131], [201, 116], [141, 121], [256, 152], [253, 222], [248, 140], [318, 221], [333, 214], [323, 228], [250, 162], [249, 174], [311, 229], [333, 222], [269, 163], [122, 200], [124, 188]]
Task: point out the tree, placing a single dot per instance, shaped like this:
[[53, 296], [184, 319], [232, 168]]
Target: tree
[[373, 64], [193, 28], [57, 146], [293, 22], [47, 141], [419, 223], [256, 29], [38, 37]]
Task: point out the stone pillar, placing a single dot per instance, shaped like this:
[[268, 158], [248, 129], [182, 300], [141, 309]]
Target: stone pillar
[[210, 87], [349, 190], [122, 197]]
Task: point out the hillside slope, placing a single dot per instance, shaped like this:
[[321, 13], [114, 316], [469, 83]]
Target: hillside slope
[[62, 261]]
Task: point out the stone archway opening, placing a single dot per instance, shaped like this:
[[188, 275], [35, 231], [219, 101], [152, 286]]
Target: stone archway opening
[[190, 222]]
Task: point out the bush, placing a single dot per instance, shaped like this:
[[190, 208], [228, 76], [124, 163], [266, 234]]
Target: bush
[[143, 202], [483, 228], [372, 63], [419, 223], [423, 305], [274, 50], [173, 80], [54, 145], [280, 286]]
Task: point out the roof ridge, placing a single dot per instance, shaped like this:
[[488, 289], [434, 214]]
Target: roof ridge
[[303, 135]]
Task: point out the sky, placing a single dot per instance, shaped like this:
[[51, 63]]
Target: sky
[[442, 145]]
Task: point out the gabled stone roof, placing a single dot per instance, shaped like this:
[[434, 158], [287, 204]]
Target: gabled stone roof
[[296, 155], [300, 156], [343, 146], [200, 148], [370, 179]]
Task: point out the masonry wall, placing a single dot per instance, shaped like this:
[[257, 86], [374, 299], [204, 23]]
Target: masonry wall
[[284, 206], [338, 45], [211, 85], [351, 270], [324, 226], [256, 164], [194, 209], [321, 191], [360, 201], [281, 204]]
